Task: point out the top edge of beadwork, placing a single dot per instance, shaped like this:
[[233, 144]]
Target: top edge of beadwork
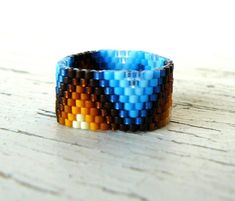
[[116, 60]]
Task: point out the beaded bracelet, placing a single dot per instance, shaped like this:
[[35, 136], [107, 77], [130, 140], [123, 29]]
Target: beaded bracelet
[[117, 90]]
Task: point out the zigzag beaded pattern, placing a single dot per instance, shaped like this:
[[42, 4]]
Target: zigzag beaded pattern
[[118, 90]]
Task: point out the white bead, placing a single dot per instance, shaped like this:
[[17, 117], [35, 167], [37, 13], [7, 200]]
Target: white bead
[[84, 125], [76, 124], [80, 117]]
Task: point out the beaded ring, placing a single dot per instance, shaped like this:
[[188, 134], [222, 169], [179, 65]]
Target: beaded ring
[[117, 90]]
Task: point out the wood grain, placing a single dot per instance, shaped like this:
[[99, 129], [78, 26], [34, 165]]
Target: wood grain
[[190, 159]]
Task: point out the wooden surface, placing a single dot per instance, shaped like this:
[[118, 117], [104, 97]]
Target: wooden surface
[[193, 158]]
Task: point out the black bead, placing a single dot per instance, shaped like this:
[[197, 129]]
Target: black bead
[[89, 74], [98, 91], [80, 74], [123, 127], [94, 83], [133, 127], [71, 73], [114, 112]]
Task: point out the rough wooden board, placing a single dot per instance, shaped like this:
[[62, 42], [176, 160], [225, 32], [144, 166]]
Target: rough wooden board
[[190, 159]]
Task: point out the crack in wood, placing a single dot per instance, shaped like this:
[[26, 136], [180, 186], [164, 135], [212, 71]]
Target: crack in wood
[[198, 145], [219, 162], [36, 82], [46, 115], [47, 111], [130, 195], [14, 70], [28, 185], [202, 107], [202, 127], [6, 94], [192, 134], [39, 136]]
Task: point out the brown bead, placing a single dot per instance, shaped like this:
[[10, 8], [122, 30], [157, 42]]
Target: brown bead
[[98, 105], [93, 97], [108, 119], [83, 82]]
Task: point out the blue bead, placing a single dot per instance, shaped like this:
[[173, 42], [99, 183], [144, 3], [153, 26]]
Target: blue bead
[[113, 83], [161, 61], [118, 90], [104, 83], [60, 78], [133, 99], [146, 74], [128, 106], [143, 98], [148, 105], [139, 106], [63, 71], [113, 98], [139, 91], [133, 113], [123, 113], [98, 75], [123, 99], [157, 89], [108, 75], [143, 113], [153, 82], [119, 75], [143, 83], [129, 91], [118, 106], [127, 121], [163, 73], [153, 97], [108, 90], [124, 83], [68, 61], [138, 121], [156, 74], [148, 90]]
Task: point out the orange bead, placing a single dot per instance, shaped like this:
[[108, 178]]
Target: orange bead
[[84, 111], [94, 126], [76, 110], [104, 126], [71, 117], [75, 95], [98, 119], [89, 104], [64, 115], [80, 103], [67, 109], [68, 123], [89, 118], [93, 111], [79, 89], [66, 94], [84, 96], [61, 120], [70, 102]]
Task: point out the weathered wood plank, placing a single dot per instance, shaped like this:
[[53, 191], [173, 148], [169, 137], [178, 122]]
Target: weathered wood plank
[[190, 159]]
